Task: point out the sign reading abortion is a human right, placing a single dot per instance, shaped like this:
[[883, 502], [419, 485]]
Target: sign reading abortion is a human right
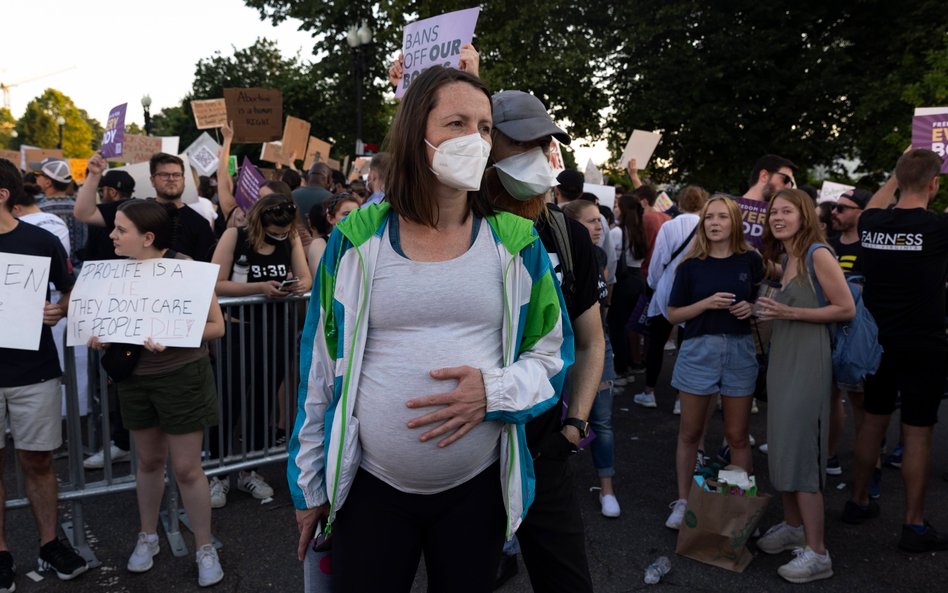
[[435, 41], [129, 301]]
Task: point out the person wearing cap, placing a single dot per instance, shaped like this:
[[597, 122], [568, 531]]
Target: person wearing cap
[[552, 535], [54, 176], [114, 187]]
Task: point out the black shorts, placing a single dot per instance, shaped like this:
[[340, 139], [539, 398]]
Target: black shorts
[[915, 372]]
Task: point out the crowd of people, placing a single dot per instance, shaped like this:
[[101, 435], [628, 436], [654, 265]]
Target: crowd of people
[[472, 315]]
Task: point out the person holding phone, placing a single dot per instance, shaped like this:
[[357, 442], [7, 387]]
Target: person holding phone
[[265, 257]]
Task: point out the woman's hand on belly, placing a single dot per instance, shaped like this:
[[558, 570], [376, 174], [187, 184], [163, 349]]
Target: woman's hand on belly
[[464, 407]]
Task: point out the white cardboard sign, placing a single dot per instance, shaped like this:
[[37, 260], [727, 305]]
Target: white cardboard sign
[[640, 147], [128, 301], [24, 280], [831, 191], [605, 193], [202, 154]]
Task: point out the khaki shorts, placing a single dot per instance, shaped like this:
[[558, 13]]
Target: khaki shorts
[[35, 417], [180, 402]]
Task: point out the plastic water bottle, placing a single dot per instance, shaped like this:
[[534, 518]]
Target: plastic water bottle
[[240, 270], [656, 570]]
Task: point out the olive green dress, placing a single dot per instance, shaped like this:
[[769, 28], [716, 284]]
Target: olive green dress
[[799, 381]]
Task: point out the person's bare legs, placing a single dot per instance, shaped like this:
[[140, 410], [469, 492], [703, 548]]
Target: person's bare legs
[[916, 465], [151, 454], [40, 490], [791, 509], [195, 494], [866, 454], [837, 423], [695, 410], [736, 421], [810, 507]]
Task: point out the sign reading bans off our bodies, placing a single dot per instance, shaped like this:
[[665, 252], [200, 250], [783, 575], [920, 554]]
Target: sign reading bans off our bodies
[[24, 280], [435, 41], [129, 301]]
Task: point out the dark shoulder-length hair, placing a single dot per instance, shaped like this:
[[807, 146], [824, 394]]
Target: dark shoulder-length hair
[[409, 181], [633, 226], [272, 209], [149, 216]]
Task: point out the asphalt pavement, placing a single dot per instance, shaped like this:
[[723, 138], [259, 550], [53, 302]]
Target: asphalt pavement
[[259, 540]]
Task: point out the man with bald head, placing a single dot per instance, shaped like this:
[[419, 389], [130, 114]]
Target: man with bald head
[[315, 189]]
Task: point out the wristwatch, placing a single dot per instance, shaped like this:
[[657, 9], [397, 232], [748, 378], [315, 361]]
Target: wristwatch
[[581, 425]]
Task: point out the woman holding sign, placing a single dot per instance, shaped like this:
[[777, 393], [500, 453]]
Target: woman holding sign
[[434, 332], [167, 401]]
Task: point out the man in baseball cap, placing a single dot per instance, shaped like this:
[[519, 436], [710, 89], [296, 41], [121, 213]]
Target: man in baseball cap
[[54, 177], [116, 185]]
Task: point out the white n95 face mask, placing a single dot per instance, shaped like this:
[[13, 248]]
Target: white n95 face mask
[[526, 175], [460, 162]]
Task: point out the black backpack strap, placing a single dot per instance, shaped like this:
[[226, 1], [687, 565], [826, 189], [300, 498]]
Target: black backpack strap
[[558, 226]]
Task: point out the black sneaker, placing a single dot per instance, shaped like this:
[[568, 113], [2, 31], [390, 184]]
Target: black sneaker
[[7, 572], [506, 570], [927, 541], [855, 514], [832, 466], [62, 558]]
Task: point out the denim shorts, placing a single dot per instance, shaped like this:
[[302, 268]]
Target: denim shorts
[[710, 364]]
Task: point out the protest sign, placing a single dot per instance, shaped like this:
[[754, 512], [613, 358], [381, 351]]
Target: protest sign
[[592, 174], [77, 168], [640, 147], [129, 301], [232, 165], [114, 134], [556, 156], [831, 191], [435, 41], [272, 152], [334, 164], [295, 137], [32, 154], [138, 149], [256, 113], [141, 173], [248, 184], [663, 202], [11, 155], [605, 193], [317, 151], [209, 113], [754, 217], [24, 281], [203, 154], [169, 144], [360, 168], [930, 130]]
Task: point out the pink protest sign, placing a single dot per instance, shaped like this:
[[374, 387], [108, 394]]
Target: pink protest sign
[[435, 41], [248, 184], [114, 134], [930, 130], [754, 216]]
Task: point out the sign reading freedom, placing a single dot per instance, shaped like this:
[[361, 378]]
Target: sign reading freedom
[[930, 130], [754, 215], [128, 301]]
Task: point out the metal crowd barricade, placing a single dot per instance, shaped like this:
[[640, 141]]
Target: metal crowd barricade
[[239, 365]]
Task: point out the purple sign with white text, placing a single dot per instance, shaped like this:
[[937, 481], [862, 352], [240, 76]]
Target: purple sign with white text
[[249, 181], [930, 130], [114, 135], [754, 217], [435, 41]]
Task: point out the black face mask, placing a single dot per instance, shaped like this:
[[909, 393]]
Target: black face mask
[[271, 240]]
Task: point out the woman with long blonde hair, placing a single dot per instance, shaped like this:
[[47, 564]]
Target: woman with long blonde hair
[[713, 291]]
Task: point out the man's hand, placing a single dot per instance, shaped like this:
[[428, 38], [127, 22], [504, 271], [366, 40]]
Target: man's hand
[[572, 435], [396, 71], [465, 407], [52, 313], [633, 170], [97, 165], [306, 521], [227, 132]]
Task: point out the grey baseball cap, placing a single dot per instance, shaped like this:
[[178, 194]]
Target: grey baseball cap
[[523, 117]]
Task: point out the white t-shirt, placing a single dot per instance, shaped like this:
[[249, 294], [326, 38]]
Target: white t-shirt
[[51, 223]]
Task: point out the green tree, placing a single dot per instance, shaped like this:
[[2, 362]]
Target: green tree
[[38, 125], [7, 127]]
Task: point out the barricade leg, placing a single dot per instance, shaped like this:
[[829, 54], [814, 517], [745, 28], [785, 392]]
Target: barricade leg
[[76, 529]]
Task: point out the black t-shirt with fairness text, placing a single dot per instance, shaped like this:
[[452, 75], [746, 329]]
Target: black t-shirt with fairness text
[[27, 367], [192, 233], [905, 260]]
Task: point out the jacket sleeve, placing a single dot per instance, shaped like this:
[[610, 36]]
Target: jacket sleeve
[[306, 447], [532, 384]]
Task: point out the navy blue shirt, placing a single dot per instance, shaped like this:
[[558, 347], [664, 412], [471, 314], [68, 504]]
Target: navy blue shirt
[[697, 279]]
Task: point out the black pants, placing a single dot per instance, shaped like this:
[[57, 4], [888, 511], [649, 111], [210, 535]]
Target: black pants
[[658, 331], [624, 296], [380, 533], [552, 538]]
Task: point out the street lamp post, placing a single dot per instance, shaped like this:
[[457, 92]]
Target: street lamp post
[[359, 39], [61, 122], [146, 106]]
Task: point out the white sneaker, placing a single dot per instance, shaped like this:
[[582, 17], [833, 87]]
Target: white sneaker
[[209, 566], [219, 489], [677, 409], [763, 448], [142, 558], [754, 408], [677, 515], [751, 440], [609, 505], [669, 345], [645, 399], [807, 566], [97, 461], [780, 538], [622, 381], [254, 484]]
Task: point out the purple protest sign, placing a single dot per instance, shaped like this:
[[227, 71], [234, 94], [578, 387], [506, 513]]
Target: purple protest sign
[[435, 41], [114, 135], [754, 216], [249, 181], [930, 130]]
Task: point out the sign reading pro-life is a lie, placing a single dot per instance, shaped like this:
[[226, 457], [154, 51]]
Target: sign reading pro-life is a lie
[[129, 301], [435, 41], [24, 281]]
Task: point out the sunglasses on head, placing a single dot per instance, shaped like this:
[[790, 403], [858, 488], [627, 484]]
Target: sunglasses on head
[[284, 208]]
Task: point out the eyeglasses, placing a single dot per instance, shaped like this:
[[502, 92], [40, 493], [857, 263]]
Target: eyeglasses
[[285, 207], [166, 176], [843, 207], [787, 180]]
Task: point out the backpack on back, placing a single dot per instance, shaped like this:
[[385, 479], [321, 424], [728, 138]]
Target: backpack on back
[[855, 343]]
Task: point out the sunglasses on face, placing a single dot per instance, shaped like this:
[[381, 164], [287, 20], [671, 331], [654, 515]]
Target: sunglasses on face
[[843, 207], [787, 180]]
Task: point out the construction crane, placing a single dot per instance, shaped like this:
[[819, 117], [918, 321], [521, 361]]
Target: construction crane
[[6, 87]]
